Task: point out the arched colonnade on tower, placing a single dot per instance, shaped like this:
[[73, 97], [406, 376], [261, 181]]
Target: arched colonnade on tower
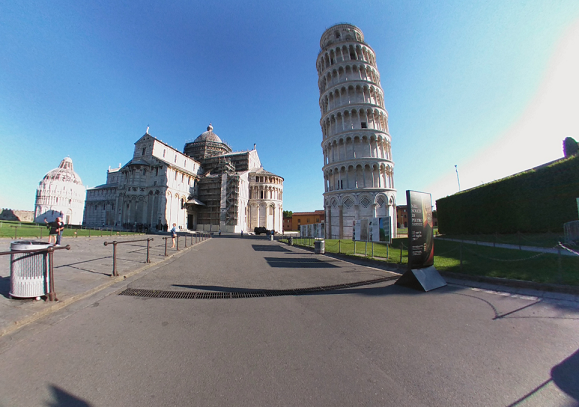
[[350, 94], [344, 53], [358, 176], [342, 211], [350, 119], [348, 73], [357, 147]]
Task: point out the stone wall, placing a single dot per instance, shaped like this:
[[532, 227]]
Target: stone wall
[[16, 215]]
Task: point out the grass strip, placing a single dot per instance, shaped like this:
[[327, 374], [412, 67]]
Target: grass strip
[[476, 260], [12, 229]]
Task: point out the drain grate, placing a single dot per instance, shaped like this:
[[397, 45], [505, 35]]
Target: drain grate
[[139, 292]]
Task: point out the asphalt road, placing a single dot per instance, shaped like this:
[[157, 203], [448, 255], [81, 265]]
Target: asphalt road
[[372, 345]]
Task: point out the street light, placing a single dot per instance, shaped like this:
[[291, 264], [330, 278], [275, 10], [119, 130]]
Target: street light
[[457, 179]]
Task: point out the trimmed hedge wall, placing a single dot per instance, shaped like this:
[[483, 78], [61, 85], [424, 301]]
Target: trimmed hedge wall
[[535, 201]]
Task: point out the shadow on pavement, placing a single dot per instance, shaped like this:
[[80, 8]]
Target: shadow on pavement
[[294, 263], [5, 286], [269, 248], [566, 376], [62, 398]]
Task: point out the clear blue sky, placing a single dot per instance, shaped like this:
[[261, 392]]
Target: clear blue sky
[[490, 86]]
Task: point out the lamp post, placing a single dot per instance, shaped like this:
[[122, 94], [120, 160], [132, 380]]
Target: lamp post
[[457, 179]]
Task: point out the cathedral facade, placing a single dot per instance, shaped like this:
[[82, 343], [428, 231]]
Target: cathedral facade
[[207, 187], [358, 168]]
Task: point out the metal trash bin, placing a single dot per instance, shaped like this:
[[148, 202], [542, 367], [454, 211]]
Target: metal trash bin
[[320, 246], [28, 271]]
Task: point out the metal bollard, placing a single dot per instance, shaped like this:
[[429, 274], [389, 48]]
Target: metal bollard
[[401, 247], [52, 293], [461, 257], [115, 273], [148, 258], [560, 277]]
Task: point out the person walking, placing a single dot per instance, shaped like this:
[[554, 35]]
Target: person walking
[[174, 234], [59, 230], [51, 230]]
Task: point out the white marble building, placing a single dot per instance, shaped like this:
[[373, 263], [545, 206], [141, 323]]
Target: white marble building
[[358, 167], [207, 187], [266, 200], [60, 193]]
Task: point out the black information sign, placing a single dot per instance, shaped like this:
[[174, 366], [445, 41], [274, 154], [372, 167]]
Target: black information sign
[[420, 230]]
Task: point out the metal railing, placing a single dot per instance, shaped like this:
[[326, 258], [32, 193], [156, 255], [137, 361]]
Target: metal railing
[[115, 243], [198, 237]]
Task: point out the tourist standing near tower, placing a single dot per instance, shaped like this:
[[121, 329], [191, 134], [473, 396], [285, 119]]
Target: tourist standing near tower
[[358, 167]]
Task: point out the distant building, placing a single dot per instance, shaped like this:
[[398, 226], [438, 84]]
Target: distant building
[[358, 168], [60, 194], [307, 218], [287, 223], [402, 216], [205, 187]]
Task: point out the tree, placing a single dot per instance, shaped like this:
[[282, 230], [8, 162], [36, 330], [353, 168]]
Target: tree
[[570, 147], [287, 214]]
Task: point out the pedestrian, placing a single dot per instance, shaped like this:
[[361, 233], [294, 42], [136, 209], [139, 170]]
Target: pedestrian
[[174, 234], [59, 230], [52, 231], [242, 233]]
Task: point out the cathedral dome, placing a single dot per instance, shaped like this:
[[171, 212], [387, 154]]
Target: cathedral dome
[[208, 136], [64, 172]]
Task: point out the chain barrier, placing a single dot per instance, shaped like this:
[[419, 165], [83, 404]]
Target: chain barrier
[[331, 245], [450, 251]]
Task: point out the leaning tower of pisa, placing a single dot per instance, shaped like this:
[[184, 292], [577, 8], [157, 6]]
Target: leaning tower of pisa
[[358, 167]]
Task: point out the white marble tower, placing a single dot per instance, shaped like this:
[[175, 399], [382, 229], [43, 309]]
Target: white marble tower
[[358, 167]]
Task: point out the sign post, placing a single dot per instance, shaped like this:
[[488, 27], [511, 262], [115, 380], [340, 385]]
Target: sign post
[[421, 273]]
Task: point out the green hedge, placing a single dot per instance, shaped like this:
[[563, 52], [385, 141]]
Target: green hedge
[[534, 201]]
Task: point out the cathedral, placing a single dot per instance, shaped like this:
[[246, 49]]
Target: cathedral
[[207, 187]]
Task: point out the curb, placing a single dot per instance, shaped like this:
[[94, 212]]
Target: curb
[[60, 304]]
